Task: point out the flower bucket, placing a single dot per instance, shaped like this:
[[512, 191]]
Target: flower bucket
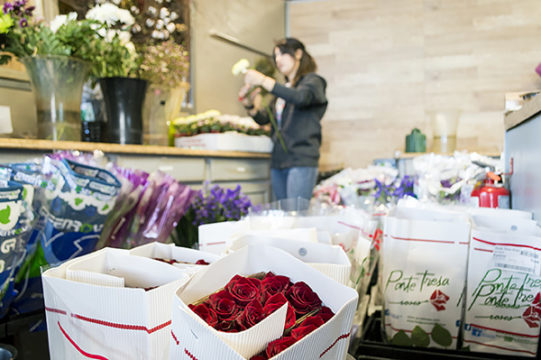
[[161, 106], [57, 82], [123, 98]]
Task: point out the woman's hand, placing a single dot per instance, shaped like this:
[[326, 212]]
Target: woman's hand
[[255, 78], [250, 98]]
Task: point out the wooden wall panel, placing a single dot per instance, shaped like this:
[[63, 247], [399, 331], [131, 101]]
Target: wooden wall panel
[[389, 63]]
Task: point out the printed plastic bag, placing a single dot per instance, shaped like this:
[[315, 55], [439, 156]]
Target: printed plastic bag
[[424, 270], [503, 298], [13, 231]]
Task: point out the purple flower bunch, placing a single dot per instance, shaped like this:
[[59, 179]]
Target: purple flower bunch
[[19, 11], [399, 188], [219, 205]]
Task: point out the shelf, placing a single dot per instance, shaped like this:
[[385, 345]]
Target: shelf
[[49, 145]]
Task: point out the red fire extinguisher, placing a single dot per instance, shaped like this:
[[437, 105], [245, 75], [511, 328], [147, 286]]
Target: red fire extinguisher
[[492, 193]]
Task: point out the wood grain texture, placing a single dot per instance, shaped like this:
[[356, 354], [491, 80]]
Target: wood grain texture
[[389, 63], [30, 144]]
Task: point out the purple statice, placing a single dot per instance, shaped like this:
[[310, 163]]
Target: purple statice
[[219, 205], [398, 189], [7, 8], [404, 187], [19, 11]]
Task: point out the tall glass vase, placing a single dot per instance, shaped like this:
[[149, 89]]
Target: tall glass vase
[[57, 82], [161, 107], [123, 98]]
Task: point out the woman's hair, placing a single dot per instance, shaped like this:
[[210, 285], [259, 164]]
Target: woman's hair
[[289, 46]]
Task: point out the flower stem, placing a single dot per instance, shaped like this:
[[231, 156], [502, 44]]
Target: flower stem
[[275, 126]]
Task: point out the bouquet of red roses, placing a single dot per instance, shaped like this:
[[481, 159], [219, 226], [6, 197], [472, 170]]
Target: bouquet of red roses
[[245, 301], [287, 310]]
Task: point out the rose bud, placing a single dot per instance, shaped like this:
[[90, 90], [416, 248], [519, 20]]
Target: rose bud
[[302, 298], [279, 345], [251, 315], [273, 285], [275, 302], [325, 313], [224, 305], [261, 356], [227, 326], [205, 313], [306, 327], [242, 289]]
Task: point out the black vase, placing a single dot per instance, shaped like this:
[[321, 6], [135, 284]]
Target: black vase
[[123, 98]]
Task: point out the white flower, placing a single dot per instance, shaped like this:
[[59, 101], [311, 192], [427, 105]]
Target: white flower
[[173, 16], [156, 34], [131, 48], [110, 14], [164, 13], [124, 37], [117, 2], [171, 27], [134, 9], [159, 24], [152, 10], [60, 20], [136, 28], [240, 67], [149, 23]]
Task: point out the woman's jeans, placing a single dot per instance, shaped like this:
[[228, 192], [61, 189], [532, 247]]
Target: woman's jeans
[[293, 182]]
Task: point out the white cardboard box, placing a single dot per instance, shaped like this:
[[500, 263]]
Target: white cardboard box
[[229, 141], [192, 337], [97, 306]]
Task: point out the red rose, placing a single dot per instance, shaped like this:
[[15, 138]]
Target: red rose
[[201, 262], [251, 315], [261, 356], [205, 313], [243, 290], [325, 313], [275, 302], [307, 326], [279, 345], [439, 299], [302, 298], [227, 326], [275, 284], [223, 305]]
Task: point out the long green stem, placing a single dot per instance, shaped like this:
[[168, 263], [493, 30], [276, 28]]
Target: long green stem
[[275, 126]]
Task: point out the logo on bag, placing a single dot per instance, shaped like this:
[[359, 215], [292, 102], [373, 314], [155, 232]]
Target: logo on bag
[[418, 282], [8, 246], [438, 299], [532, 314], [508, 290]]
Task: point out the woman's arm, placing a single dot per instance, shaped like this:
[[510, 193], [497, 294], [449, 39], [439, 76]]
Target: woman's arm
[[310, 91]]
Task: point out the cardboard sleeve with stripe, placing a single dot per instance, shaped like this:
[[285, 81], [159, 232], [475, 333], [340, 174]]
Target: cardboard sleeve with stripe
[[192, 338], [97, 306]]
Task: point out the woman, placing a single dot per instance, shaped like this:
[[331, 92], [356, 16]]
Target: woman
[[298, 107]]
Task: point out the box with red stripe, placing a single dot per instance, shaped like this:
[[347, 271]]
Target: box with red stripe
[[110, 305], [192, 338]]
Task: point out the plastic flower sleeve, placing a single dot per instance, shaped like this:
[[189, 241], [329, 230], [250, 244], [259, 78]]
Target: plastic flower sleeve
[[13, 230], [164, 202], [29, 175], [118, 223], [73, 209]]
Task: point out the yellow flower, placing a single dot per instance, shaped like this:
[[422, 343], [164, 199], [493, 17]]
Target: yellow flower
[[5, 23]]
